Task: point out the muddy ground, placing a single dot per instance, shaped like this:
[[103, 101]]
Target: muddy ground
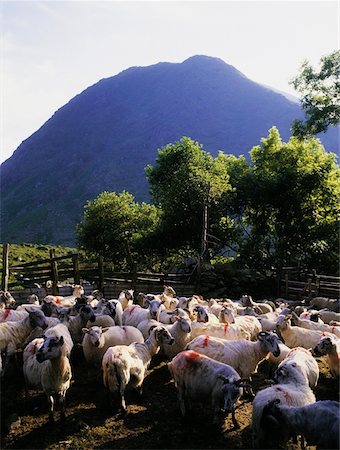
[[154, 420]]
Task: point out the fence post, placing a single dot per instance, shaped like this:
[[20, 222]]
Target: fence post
[[5, 269], [100, 273], [76, 273], [54, 272]]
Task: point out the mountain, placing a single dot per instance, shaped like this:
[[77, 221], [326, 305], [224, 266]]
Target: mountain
[[104, 137]]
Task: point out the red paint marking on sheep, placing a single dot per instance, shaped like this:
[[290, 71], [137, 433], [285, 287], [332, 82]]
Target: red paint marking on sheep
[[191, 360], [333, 328], [130, 311], [205, 343], [286, 396], [225, 328], [6, 314]]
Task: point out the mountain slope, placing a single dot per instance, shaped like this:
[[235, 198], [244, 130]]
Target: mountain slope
[[104, 137]]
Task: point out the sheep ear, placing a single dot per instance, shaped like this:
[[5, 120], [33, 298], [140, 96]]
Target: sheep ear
[[85, 330], [105, 329]]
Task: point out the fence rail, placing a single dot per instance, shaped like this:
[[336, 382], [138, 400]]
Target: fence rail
[[69, 269]]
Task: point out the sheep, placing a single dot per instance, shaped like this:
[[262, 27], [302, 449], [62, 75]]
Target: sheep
[[260, 308], [125, 366], [32, 300], [75, 324], [310, 325], [329, 316], [97, 340], [302, 359], [111, 307], [134, 314], [202, 315], [329, 346], [168, 317], [58, 331], [248, 323], [6, 300], [12, 334], [323, 302], [47, 366], [222, 330], [294, 392], [126, 298], [180, 331], [243, 355], [200, 378], [296, 336], [69, 300], [146, 326], [168, 298], [101, 321], [310, 421], [12, 315]]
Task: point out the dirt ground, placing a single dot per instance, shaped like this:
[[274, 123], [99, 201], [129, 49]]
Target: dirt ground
[[154, 420]]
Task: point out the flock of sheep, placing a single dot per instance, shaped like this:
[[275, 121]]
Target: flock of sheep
[[213, 348]]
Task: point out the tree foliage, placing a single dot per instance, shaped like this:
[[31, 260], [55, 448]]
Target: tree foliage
[[116, 227], [320, 92], [293, 204], [183, 180]]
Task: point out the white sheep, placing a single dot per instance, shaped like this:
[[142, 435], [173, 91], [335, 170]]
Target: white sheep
[[6, 300], [260, 308], [221, 330], [112, 308], [297, 336], [14, 334], [134, 314], [77, 323], [13, 315], [125, 366], [324, 302], [180, 331], [203, 315], [294, 392], [200, 378], [329, 316], [247, 323], [243, 355], [303, 360], [311, 325], [46, 366], [97, 340], [146, 326], [126, 298], [58, 331], [318, 423], [329, 346]]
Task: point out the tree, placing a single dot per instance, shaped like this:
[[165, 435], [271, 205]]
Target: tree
[[320, 95], [115, 226], [293, 204], [185, 182]]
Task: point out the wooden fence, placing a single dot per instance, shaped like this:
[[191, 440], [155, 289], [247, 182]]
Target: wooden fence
[[68, 269], [296, 284]]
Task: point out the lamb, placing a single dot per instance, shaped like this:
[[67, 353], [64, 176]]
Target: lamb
[[296, 336], [310, 421], [46, 366], [12, 315], [69, 300], [59, 331], [168, 298], [202, 315], [243, 355], [200, 378], [146, 326], [329, 346], [101, 321], [133, 315], [294, 392], [168, 317], [329, 316], [221, 330], [97, 340], [6, 299], [180, 331], [112, 308], [125, 366], [31, 300]]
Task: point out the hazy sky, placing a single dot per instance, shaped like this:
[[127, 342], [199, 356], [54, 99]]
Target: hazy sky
[[52, 50]]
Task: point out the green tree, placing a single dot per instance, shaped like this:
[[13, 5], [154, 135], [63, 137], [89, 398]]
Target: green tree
[[293, 204], [185, 181], [320, 92], [116, 227]]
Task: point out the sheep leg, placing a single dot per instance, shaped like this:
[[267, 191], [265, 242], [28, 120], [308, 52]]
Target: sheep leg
[[50, 410], [62, 407]]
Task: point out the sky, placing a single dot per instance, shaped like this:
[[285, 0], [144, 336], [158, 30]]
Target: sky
[[52, 50]]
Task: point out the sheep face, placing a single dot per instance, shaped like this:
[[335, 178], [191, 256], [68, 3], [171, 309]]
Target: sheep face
[[270, 342], [202, 315], [185, 324], [324, 347], [110, 309], [94, 334], [282, 322], [37, 318], [163, 336], [289, 372], [232, 390], [168, 290], [154, 306], [63, 314], [87, 313], [228, 314], [50, 349]]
